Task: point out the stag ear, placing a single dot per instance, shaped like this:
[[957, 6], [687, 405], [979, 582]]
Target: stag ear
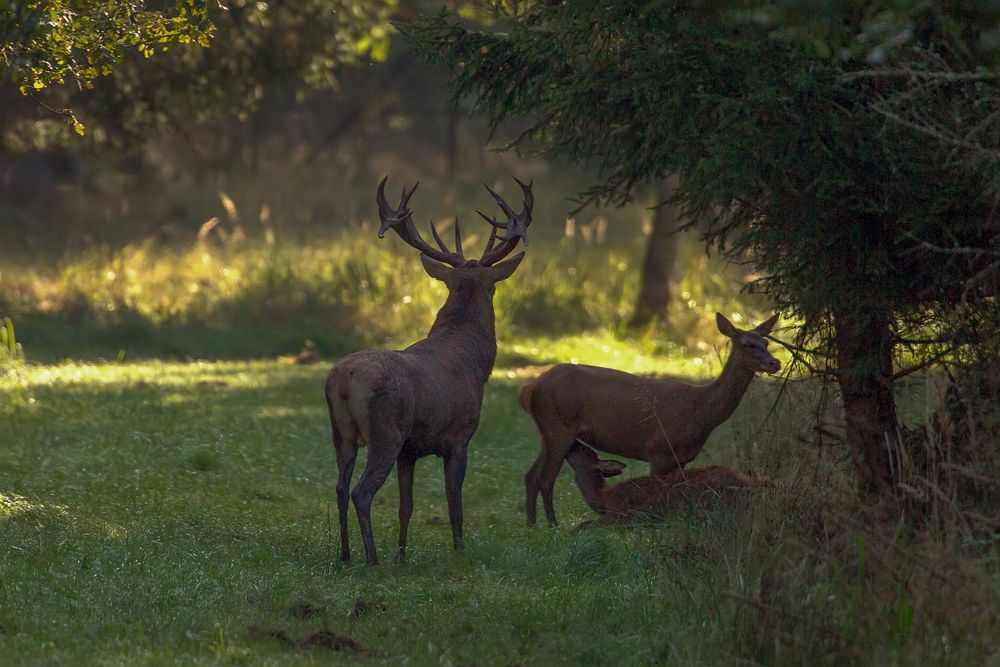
[[726, 327], [436, 269], [503, 270], [764, 328], [611, 468]]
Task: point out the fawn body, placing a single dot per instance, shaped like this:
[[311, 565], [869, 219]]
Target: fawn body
[[650, 494]]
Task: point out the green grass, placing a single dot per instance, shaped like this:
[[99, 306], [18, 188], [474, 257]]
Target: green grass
[[154, 514], [162, 513]]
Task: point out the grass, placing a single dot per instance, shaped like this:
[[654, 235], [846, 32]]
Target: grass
[[157, 513], [165, 513]]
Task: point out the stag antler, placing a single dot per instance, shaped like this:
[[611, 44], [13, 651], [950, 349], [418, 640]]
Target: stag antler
[[516, 225], [400, 220]]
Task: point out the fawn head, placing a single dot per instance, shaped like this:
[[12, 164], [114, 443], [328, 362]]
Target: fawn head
[[451, 267], [591, 471], [750, 346]]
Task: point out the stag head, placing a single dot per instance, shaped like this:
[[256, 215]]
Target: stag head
[[451, 266]]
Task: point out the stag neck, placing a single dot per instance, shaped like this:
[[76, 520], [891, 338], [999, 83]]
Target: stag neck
[[467, 325], [725, 393]]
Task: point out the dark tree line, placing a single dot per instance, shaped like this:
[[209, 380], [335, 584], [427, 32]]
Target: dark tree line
[[849, 152]]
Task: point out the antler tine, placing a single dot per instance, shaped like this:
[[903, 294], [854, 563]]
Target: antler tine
[[529, 197], [437, 238], [458, 238], [491, 241], [500, 202], [492, 221]]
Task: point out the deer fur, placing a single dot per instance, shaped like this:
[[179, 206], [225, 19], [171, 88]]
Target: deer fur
[[425, 399], [648, 495], [661, 420]]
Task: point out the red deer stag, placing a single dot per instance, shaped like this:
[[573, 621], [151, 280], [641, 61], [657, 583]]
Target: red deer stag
[[661, 420], [650, 494], [425, 399]]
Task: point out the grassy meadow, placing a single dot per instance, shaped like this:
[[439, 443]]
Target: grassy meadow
[[167, 477]]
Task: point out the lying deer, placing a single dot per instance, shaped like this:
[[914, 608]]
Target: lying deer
[[661, 420], [425, 399], [651, 494]]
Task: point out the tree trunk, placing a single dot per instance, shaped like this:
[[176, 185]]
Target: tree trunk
[[864, 359], [653, 303]]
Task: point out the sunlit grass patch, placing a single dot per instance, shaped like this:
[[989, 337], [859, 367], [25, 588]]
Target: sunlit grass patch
[[250, 297], [14, 506]]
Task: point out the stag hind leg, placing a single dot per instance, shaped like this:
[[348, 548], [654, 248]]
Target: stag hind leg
[[404, 475], [345, 439], [454, 477], [383, 450]]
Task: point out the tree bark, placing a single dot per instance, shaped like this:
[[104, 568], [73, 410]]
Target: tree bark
[[864, 359], [653, 302]]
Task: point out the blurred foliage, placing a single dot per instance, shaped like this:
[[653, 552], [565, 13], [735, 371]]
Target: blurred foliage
[[243, 289], [73, 42], [260, 52]]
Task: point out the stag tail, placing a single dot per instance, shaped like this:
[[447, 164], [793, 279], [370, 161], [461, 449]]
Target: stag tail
[[525, 395]]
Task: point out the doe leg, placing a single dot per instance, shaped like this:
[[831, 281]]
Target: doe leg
[[547, 479], [531, 489]]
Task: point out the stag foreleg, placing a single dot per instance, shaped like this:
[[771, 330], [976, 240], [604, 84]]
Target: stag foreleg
[[454, 477], [404, 475]]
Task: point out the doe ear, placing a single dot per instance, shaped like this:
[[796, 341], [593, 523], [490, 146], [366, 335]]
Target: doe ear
[[726, 327], [611, 468], [435, 269], [764, 328], [504, 269]]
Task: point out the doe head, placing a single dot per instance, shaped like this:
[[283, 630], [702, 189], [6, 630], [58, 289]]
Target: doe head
[[750, 345]]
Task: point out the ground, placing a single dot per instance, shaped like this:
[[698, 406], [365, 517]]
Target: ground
[[162, 513], [156, 513]]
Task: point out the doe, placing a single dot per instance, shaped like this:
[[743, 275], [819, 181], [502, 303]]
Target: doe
[[661, 420]]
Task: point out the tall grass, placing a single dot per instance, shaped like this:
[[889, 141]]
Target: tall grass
[[12, 364]]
